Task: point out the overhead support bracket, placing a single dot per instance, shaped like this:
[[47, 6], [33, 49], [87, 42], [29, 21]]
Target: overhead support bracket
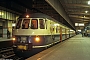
[[58, 7]]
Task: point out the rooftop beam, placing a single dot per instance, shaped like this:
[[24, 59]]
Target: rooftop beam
[[58, 7]]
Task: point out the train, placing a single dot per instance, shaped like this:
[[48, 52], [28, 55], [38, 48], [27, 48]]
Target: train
[[37, 31]]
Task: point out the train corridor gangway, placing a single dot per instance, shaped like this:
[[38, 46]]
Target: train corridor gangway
[[75, 48]]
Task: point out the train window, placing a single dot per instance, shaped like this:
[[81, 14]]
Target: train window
[[18, 25], [34, 24], [25, 24], [52, 29], [42, 25], [57, 29]]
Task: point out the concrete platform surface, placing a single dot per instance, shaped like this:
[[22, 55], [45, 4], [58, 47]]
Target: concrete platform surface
[[75, 48]]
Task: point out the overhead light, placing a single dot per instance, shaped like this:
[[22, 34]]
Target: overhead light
[[13, 24], [27, 16], [76, 24], [88, 2], [81, 24], [79, 30], [86, 11], [71, 30]]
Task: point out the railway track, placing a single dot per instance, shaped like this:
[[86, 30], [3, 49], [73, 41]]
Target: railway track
[[8, 53]]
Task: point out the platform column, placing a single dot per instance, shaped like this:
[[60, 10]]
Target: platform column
[[61, 34], [65, 33], [69, 33]]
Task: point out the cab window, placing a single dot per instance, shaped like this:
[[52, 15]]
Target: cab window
[[18, 25], [41, 23], [34, 24], [25, 24]]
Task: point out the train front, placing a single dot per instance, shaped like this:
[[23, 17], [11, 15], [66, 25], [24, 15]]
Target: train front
[[28, 32], [21, 34]]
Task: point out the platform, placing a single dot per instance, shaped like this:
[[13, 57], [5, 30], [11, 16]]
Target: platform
[[4, 42], [75, 48]]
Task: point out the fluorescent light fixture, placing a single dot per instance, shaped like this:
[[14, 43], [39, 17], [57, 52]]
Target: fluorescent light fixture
[[56, 24], [81, 24], [76, 24], [71, 30], [86, 11], [13, 24], [79, 30], [88, 2]]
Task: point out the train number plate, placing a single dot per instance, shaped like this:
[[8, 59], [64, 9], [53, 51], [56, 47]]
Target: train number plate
[[22, 47]]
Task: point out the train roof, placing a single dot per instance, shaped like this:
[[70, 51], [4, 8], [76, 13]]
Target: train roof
[[37, 15], [40, 15]]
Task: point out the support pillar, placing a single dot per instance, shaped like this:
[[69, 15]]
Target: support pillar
[[61, 34]]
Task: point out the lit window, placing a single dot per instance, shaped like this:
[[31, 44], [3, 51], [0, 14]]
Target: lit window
[[1, 13], [76, 24], [34, 24], [57, 29], [41, 22]]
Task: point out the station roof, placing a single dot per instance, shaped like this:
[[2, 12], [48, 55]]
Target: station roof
[[67, 12]]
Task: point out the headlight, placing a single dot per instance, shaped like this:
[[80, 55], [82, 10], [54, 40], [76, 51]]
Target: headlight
[[13, 38], [37, 39]]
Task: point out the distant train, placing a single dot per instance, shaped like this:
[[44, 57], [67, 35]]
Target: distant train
[[39, 31]]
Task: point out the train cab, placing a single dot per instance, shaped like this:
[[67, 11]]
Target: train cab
[[28, 32], [36, 31]]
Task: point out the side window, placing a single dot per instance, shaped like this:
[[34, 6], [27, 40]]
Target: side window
[[18, 25], [25, 24], [52, 29], [57, 29], [34, 24], [41, 23]]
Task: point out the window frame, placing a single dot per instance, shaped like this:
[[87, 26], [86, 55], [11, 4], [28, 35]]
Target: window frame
[[34, 24], [19, 23], [40, 26], [24, 22]]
